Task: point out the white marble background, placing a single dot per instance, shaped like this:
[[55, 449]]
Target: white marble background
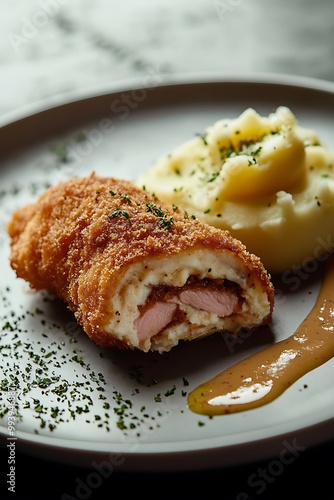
[[54, 46]]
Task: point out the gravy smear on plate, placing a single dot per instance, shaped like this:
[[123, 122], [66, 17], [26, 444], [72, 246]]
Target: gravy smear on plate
[[262, 377]]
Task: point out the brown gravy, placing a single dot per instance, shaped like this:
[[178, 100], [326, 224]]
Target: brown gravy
[[262, 377]]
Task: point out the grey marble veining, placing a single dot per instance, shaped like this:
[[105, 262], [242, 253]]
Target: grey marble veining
[[55, 46]]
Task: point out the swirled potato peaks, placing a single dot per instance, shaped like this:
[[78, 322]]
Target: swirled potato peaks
[[266, 179]]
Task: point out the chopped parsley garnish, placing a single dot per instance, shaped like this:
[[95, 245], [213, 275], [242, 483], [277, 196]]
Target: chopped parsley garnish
[[163, 217], [118, 212], [203, 137], [61, 152], [127, 198], [213, 176], [170, 391]]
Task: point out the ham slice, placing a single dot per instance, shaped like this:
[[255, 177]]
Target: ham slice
[[220, 302], [155, 319], [158, 314]]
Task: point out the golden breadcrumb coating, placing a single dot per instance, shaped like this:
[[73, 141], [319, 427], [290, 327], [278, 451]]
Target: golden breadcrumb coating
[[78, 239]]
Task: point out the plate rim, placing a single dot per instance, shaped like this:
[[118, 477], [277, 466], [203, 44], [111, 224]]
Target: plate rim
[[131, 84], [178, 460]]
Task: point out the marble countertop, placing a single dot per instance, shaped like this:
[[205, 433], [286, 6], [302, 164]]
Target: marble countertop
[[49, 47]]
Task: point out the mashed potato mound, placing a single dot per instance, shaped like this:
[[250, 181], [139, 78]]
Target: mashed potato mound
[[267, 180]]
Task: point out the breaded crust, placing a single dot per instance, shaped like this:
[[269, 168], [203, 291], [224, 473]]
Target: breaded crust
[[79, 238]]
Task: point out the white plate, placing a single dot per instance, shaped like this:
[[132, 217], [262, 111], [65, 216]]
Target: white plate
[[120, 133]]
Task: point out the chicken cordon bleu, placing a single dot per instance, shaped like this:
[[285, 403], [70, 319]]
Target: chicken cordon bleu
[[136, 272]]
